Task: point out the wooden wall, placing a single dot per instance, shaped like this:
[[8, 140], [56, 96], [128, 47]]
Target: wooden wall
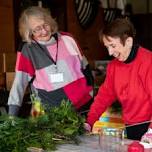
[[8, 29], [7, 34]]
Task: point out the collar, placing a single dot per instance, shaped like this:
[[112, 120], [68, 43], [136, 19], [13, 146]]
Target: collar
[[133, 53], [52, 40]]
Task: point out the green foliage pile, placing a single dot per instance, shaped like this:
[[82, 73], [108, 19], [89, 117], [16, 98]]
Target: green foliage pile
[[59, 125]]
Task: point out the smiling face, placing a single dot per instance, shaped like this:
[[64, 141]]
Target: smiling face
[[40, 30], [116, 48]]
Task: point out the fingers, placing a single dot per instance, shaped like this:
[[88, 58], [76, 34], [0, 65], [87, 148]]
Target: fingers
[[87, 127]]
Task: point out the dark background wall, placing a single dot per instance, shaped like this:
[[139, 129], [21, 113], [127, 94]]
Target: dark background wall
[[143, 25]]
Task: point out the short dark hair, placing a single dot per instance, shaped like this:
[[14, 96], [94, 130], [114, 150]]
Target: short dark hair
[[120, 27]]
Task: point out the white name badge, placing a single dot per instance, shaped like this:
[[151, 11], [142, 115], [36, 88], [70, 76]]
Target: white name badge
[[56, 77]]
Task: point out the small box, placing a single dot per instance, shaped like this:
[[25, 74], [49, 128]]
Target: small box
[[108, 121]]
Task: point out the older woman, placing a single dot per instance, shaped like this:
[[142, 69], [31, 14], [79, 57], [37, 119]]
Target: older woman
[[52, 60], [128, 79]]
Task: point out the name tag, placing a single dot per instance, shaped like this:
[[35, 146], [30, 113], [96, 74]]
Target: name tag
[[56, 77]]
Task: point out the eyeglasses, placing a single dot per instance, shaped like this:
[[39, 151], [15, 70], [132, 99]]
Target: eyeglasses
[[38, 29]]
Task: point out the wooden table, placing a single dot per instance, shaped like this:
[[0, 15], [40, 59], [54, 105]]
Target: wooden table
[[93, 143]]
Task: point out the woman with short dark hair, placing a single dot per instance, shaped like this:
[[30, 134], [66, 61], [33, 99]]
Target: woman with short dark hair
[[128, 79]]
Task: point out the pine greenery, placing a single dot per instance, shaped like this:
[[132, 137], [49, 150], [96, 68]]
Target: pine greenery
[[60, 125]]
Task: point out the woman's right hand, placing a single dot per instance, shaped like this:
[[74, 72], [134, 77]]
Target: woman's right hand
[[87, 127]]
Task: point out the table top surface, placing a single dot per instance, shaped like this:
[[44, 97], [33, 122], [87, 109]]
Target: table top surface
[[87, 144], [95, 143]]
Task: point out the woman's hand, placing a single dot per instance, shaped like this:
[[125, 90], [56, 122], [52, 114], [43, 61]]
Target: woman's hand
[[147, 137], [87, 127]]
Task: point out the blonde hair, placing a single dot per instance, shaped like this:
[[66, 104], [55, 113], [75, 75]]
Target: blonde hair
[[39, 12]]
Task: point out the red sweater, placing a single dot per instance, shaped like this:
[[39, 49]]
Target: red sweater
[[130, 84]]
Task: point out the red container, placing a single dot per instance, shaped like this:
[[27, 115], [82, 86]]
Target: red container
[[135, 147]]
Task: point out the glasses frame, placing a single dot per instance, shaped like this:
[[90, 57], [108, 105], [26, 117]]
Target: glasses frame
[[38, 29]]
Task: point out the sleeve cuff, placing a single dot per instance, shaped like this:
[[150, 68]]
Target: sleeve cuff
[[13, 110]]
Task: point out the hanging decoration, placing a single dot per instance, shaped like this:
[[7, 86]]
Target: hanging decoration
[[86, 11], [112, 9]]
